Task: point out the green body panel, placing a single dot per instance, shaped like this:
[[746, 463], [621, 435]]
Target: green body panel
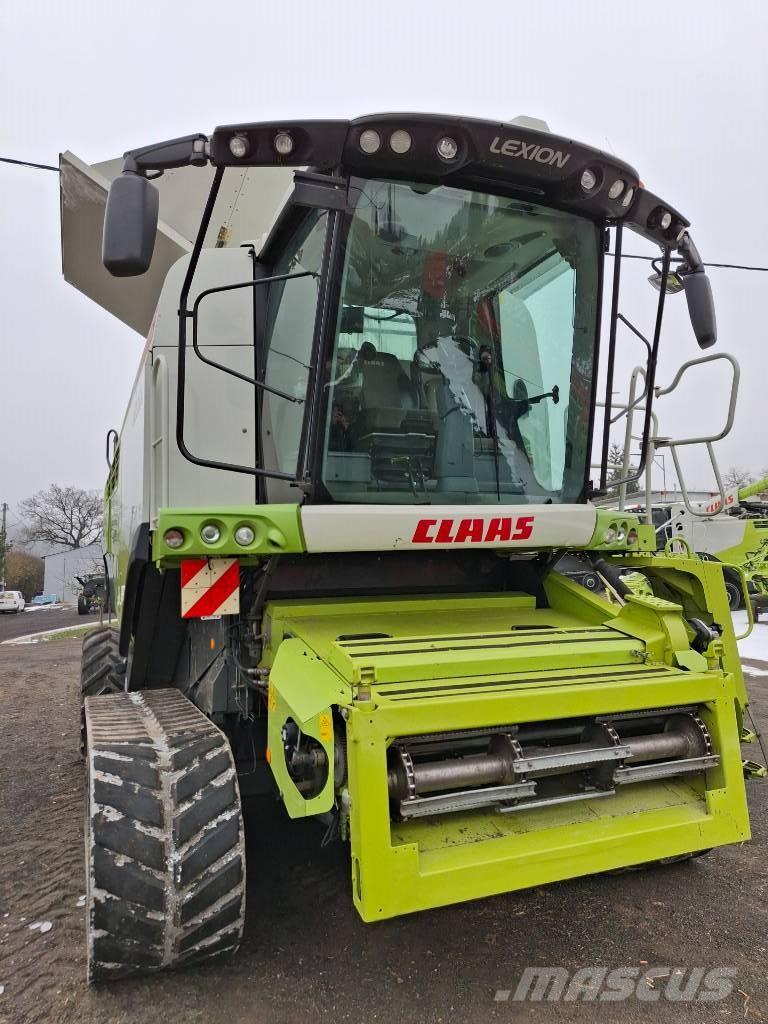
[[294, 664], [698, 588], [403, 867], [290, 698], [409, 666], [621, 524], [754, 488], [277, 531], [751, 554]]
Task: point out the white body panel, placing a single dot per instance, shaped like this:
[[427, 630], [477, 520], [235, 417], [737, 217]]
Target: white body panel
[[710, 535], [219, 421], [220, 410], [418, 527], [129, 502]]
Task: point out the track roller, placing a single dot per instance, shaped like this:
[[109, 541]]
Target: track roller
[[165, 856]]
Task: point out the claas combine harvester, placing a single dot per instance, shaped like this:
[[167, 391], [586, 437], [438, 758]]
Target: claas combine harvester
[[734, 532], [355, 451]]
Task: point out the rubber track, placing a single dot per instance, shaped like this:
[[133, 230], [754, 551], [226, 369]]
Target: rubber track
[[165, 855], [102, 670], [101, 664]]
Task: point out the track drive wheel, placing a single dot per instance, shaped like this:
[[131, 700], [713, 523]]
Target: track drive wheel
[[164, 846]]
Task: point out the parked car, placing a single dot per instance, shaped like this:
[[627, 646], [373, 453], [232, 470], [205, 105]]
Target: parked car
[[11, 601], [40, 599]]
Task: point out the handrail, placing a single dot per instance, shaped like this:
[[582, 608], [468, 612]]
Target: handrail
[[228, 369], [706, 440], [654, 441], [712, 357]]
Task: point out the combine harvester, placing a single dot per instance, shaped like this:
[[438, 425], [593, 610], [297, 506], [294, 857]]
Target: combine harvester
[[730, 532], [355, 450], [726, 529]]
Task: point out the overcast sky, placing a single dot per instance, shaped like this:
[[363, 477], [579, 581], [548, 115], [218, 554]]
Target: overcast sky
[[679, 91]]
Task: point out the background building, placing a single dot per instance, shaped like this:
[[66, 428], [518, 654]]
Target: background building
[[61, 567]]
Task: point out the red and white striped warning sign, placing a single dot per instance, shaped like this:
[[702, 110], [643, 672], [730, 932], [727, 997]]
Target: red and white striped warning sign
[[209, 586]]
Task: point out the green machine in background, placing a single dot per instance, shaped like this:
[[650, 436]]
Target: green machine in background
[[734, 532], [354, 457]]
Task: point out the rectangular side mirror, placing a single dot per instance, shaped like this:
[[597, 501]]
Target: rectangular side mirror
[[130, 225], [701, 308]]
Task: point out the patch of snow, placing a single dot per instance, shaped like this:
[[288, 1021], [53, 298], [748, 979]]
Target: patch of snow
[[755, 646]]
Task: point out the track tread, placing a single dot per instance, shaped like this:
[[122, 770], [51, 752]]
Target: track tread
[[212, 847], [102, 670], [164, 842], [101, 667]]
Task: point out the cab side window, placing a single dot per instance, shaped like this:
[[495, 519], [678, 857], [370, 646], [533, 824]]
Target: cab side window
[[288, 343]]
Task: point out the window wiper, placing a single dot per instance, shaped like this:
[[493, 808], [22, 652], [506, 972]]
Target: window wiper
[[522, 401], [554, 394]]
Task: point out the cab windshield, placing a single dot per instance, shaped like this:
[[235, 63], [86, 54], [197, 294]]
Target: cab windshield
[[463, 361]]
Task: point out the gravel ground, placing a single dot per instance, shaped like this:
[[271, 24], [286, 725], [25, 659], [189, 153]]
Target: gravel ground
[[306, 954]]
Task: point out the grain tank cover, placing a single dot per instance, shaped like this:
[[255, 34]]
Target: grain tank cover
[[245, 209]]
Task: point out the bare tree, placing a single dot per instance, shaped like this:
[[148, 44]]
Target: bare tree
[[63, 516], [737, 477], [616, 468]]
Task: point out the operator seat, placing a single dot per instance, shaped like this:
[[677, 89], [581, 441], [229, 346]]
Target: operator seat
[[391, 426], [384, 382], [386, 393]]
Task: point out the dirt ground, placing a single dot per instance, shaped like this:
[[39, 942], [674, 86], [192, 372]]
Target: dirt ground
[[306, 955]]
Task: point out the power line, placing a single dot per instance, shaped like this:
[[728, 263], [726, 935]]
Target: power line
[[28, 163], [678, 259], [625, 255]]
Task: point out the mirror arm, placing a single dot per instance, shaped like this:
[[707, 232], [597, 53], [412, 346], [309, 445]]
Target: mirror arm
[[162, 156], [693, 262]]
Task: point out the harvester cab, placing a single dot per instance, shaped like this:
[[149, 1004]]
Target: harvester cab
[[354, 454]]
